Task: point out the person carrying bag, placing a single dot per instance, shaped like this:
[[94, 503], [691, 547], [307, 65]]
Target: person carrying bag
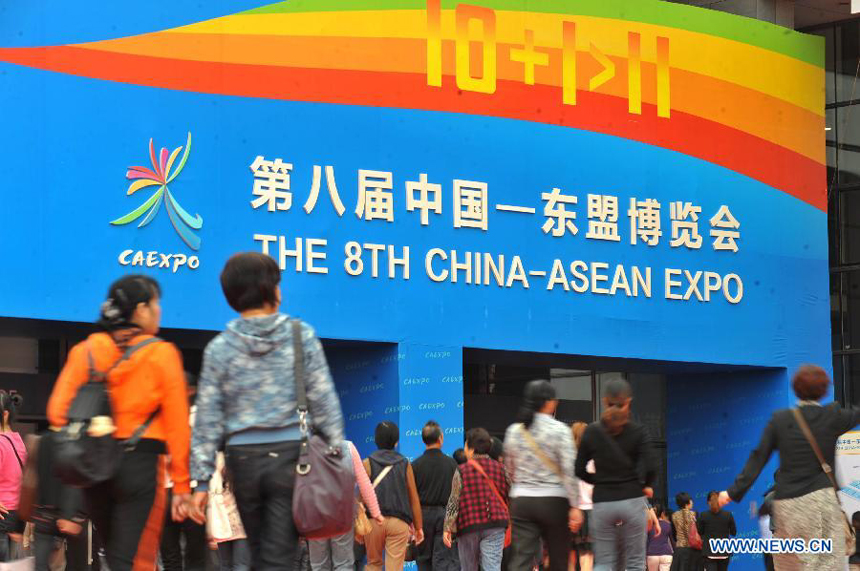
[[805, 438]]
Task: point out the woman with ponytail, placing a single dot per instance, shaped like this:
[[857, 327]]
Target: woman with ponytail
[[539, 457], [13, 457], [146, 384], [617, 445]]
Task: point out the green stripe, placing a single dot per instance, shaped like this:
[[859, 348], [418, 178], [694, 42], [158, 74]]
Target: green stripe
[[804, 47]]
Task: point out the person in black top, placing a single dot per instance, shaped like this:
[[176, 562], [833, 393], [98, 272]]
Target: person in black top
[[802, 487], [459, 456], [618, 447], [715, 523], [434, 472]]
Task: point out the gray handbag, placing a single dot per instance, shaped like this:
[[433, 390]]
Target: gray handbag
[[323, 504]]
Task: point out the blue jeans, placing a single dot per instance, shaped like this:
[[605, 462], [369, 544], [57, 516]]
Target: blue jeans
[[483, 547], [333, 554], [234, 555], [618, 527]]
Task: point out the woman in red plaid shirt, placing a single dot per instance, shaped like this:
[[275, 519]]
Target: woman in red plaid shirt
[[477, 510]]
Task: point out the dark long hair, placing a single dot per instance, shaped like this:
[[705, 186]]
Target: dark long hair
[[10, 402], [614, 418], [123, 297], [536, 395]]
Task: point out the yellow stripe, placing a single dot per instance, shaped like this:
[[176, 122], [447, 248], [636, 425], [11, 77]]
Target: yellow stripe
[[762, 70]]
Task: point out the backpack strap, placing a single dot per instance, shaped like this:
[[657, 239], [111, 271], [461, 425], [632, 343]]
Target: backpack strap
[[130, 443], [131, 350]]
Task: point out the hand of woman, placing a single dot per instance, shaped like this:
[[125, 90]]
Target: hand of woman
[[195, 506], [574, 519], [179, 507], [448, 539], [380, 519], [68, 527]]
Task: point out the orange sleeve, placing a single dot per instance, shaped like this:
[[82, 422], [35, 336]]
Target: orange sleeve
[[174, 414], [74, 374]]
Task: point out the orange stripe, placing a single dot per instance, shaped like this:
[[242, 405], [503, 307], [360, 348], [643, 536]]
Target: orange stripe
[[147, 548], [703, 96], [736, 150]]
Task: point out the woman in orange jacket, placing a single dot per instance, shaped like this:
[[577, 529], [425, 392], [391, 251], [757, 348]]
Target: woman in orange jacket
[[129, 510]]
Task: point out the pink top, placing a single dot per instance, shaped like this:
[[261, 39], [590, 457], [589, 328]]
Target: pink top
[[10, 469], [365, 487]]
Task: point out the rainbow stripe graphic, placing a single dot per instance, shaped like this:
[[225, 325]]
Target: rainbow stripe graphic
[[736, 92]]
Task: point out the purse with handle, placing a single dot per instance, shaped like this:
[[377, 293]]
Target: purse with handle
[[325, 483], [850, 536]]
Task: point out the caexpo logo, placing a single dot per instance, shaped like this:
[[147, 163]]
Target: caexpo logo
[[160, 176]]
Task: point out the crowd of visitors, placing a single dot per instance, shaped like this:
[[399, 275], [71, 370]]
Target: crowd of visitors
[[150, 467]]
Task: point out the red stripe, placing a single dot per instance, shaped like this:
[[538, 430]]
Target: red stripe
[[145, 559], [736, 150]]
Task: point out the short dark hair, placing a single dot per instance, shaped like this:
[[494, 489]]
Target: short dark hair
[[387, 435], [711, 494], [478, 439], [660, 509], [249, 281], [460, 456], [431, 433], [855, 519], [683, 500], [497, 449], [810, 382]]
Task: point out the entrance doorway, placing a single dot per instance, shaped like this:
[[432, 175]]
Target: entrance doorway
[[494, 381]]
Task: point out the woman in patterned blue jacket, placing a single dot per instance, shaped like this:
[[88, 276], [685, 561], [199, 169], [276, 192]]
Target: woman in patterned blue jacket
[[247, 401]]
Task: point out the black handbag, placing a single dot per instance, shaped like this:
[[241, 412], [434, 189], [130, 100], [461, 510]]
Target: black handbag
[[81, 459], [323, 504]]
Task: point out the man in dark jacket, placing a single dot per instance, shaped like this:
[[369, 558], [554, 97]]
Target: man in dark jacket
[[715, 523], [434, 471]]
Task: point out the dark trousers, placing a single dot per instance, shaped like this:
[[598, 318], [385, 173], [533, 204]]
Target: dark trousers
[[172, 556], [768, 562], [49, 540], [263, 477], [9, 523], [128, 511], [234, 555], [535, 519], [716, 564], [432, 555]]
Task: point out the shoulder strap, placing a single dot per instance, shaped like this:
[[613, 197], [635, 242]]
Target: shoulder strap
[[381, 476], [614, 445], [480, 469], [548, 462], [299, 367], [131, 350], [12, 444], [135, 437], [804, 427]]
